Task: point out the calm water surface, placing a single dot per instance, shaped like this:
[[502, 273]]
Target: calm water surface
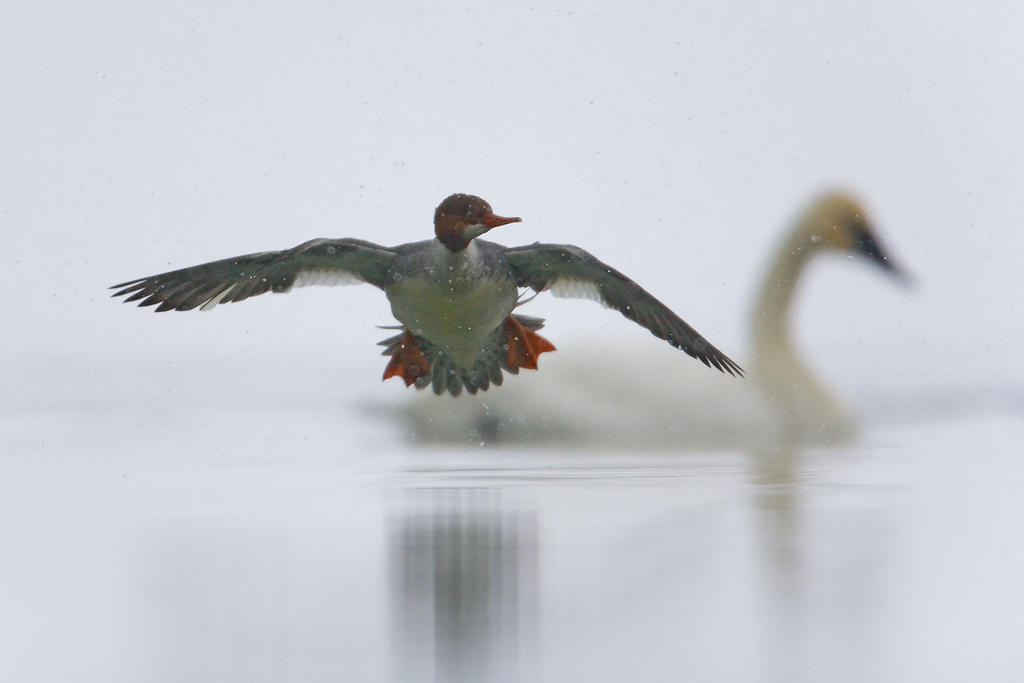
[[264, 544]]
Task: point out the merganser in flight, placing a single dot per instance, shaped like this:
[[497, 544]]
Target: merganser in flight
[[453, 295]]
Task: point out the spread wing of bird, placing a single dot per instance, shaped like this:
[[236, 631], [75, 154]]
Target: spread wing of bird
[[569, 271], [316, 262]]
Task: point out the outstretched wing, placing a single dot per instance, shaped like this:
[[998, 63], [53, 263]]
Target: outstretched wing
[[569, 271], [316, 262]]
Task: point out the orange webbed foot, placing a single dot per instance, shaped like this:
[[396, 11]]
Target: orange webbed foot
[[524, 346], [408, 362]]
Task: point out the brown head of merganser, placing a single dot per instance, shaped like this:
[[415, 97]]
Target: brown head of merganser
[[461, 218], [454, 295]]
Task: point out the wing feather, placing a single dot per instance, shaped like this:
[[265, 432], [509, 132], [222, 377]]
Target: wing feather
[[316, 262], [569, 271], [569, 288]]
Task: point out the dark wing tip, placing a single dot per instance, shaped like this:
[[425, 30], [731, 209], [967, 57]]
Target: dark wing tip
[[713, 358], [146, 289], [728, 365], [127, 287], [129, 283]]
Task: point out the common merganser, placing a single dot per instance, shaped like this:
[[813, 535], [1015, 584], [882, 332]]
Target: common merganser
[[454, 295]]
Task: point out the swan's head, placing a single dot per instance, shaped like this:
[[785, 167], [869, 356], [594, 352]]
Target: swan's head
[[836, 221]]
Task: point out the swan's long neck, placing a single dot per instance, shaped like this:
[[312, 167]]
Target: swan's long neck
[[770, 317], [781, 376]]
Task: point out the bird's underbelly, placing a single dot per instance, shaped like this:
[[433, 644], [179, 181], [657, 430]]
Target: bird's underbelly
[[460, 319]]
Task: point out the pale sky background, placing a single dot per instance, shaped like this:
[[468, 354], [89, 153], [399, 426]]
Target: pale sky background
[[673, 140], [188, 496]]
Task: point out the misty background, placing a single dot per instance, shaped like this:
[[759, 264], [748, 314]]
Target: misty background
[[673, 140]]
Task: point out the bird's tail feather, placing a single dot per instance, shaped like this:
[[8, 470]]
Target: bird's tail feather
[[487, 369]]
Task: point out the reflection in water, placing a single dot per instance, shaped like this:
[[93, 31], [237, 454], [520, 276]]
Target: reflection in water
[[774, 566], [806, 531], [776, 500], [464, 586]]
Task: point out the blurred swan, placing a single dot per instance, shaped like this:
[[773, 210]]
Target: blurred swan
[[651, 401]]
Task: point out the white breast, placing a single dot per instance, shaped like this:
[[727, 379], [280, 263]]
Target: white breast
[[453, 302]]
